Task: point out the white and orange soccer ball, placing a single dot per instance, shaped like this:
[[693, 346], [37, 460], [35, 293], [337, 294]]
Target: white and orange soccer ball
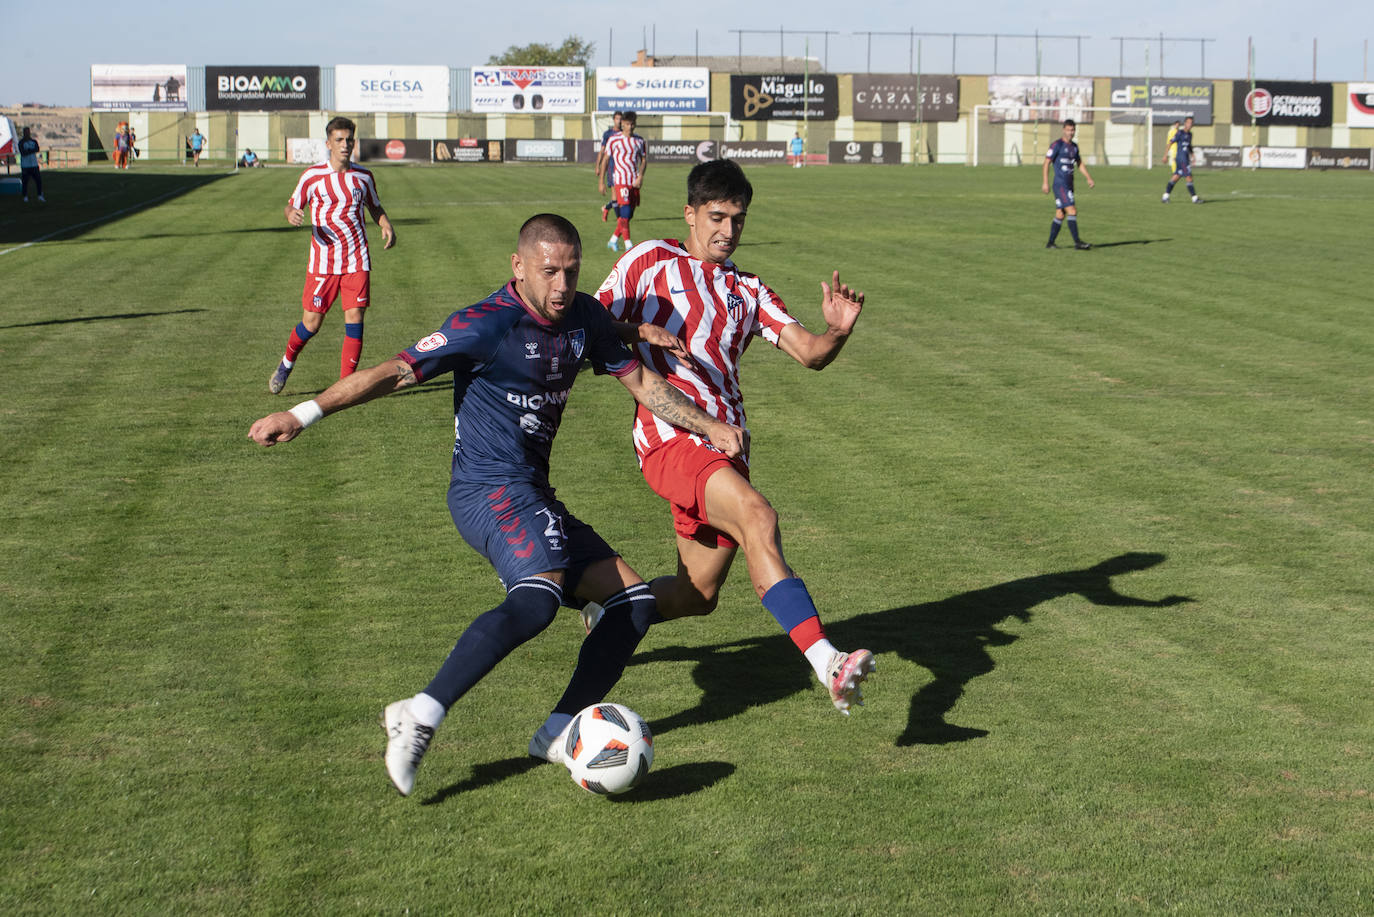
[[608, 749]]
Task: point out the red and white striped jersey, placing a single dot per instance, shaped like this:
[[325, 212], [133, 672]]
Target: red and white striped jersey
[[715, 308], [626, 153], [335, 201]]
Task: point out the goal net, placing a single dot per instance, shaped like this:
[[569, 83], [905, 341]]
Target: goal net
[[1013, 135]]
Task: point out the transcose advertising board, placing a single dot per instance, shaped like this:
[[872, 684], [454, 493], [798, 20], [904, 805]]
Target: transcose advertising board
[[360, 87], [658, 90], [554, 90], [268, 88]]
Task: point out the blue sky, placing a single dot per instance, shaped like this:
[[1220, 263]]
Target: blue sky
[[50, 46]]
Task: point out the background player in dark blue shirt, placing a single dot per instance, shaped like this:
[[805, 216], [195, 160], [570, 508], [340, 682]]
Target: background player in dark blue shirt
[[603, 162], [1183, 154], [1063, 157], [514, 357]]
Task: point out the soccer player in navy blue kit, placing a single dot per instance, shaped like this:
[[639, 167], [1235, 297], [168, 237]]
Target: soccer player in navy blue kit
[[1063, 157], [1183, 152], [514, 357]]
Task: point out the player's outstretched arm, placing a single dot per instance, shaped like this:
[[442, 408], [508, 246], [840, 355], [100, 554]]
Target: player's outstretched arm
[[840, 307], [632, 333], [658, 395], [381, 219], [363, 385]]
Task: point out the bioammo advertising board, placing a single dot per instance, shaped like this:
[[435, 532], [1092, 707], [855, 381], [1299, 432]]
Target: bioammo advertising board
[[791, 96], [268, 88], [1171, 100], [658, 90], [550, 90], [361, 87], [1281, 102]]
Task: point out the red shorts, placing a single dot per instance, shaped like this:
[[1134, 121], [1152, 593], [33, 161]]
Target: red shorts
[[322, 289], [626, 194], [677, 471]]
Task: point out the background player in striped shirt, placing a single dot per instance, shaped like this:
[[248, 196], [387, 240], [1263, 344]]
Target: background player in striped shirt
[[514, 358], [627, 160], [693, 313], [336, 191], [601, 163]]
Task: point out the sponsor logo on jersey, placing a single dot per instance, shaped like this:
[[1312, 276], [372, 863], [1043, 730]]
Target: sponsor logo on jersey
[[536, 401], [531, 350], [611, 280], [433, 342]]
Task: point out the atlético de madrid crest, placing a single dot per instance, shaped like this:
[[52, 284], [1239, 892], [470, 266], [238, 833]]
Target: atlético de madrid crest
[[578, 339], [734, 304]]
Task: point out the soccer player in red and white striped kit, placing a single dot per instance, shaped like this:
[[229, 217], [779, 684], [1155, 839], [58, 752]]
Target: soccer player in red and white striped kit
[[336, 191], [691, 313], [627, 161]]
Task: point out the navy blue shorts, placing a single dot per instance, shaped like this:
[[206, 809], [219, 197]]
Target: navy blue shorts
[[524, 530], [1063, 196], [1184, 169]]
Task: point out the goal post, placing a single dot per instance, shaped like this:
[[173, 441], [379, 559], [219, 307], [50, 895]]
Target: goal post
[[1003, 135]]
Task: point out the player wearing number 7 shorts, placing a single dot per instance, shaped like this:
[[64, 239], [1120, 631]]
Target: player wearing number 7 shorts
[[336, 191]]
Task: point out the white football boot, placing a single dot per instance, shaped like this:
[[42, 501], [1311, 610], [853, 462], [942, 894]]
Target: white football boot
[[407, 740], [847, 674]]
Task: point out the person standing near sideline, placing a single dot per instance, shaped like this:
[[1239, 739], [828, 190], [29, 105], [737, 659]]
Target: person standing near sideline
[[28, 166]]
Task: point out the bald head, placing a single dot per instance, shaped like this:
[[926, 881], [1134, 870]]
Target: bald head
[[547, 227]]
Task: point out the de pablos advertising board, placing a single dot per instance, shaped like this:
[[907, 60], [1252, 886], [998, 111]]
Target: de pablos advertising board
[[1281, 102], [905, 97], [384, 88], [784, 96], [532, 90], [469, 149], [1170, 100], [658, 90], [269, 88]]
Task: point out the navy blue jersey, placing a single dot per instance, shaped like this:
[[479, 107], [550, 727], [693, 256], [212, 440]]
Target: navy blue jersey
[[1183, 147], [1064, 154], [512, 372]]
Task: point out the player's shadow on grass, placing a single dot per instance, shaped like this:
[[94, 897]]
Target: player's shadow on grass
[[1129, 242], [100, 318], [950, 638]]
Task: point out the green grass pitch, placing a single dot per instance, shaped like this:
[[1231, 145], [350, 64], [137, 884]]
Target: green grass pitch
[[1103, 516]]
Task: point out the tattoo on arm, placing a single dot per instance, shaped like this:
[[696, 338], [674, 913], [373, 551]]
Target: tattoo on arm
[[405, 377], [671, 405]]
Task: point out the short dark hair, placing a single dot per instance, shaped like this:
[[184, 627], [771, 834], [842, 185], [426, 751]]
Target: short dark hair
[[718, 180], [548, 227], [629, 116], [340, 124], [1069, 122]]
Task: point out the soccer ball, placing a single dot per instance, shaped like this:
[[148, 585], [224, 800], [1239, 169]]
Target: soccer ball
[[608, 749]]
